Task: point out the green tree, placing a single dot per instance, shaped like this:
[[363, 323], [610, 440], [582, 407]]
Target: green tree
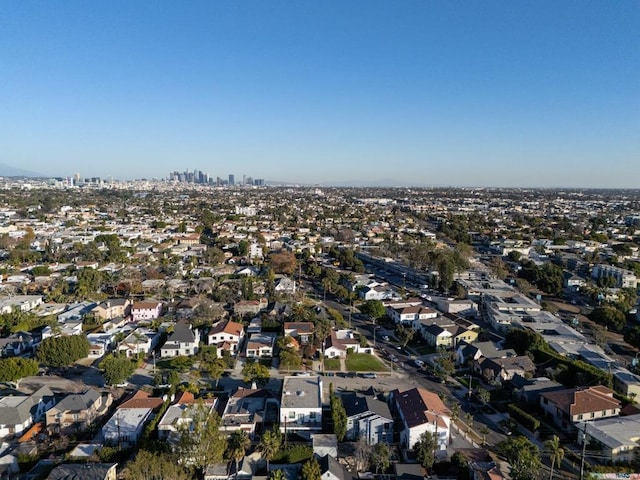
[[609, 316], [216, 369], [311, 470], [63, 351], [483, 395], [15, 368], [270, 444], [200, 438], [155, 466], [116, 369], [632, 336], [425, 449], [339, 417], [380, 457], [239, 442], [523, 456], [404, 334], [373, 308], [255, 372], [555, 451]]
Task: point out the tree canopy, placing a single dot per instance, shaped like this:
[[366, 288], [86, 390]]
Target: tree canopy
[[14, 368], [116, 369], [63, 351]]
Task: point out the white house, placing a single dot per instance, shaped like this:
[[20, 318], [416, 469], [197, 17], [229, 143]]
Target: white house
[[141, 340], [126, 426], [19, 412], [421, 411], [145, 311], [226, 336], [260, 345], [183, 341], [367, 418], [301, 405], [411, 315]]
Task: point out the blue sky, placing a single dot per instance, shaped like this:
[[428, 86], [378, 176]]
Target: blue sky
[[491, 93]]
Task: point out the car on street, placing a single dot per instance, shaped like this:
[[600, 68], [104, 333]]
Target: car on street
[[418, 363], [369, 375]]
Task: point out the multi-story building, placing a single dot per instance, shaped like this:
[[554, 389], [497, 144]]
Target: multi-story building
[[301, 405], [623, 278]]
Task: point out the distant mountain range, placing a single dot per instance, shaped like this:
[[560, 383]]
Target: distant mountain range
[[9, 171]]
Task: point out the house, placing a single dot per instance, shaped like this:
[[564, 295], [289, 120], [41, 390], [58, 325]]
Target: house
[[77, 411], [186, 410], [16, 344], [19, 411], [253, 307], [571, 406], [301, 405], [125, 427], [260, 345], [140, 341], [331, 469], [367, 418], [186, 308], [285, 285], [410, 315], [149, 310], [469, 354], [246, 409], [421, 411], [113, 308], [226, 336], [85, 471], [618, 438], [341, 342], [503, 369], [378, 292], [437, 336], [301, 331], [183, 341]]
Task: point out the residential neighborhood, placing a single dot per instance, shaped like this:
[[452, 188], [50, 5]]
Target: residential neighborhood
[[234, 332]]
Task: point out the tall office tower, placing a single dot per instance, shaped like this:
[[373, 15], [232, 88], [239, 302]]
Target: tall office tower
[[244, 179], [232, 180], [196, 175], [76, 177], [249, 181], [259, 182]]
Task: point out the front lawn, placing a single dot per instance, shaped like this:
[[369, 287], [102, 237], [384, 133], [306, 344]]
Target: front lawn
[[363, 362], [332, 364]]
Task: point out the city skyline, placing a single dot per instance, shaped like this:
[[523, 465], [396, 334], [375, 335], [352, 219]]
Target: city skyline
[[521, 94]]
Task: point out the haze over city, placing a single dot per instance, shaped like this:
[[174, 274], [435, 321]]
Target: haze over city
[[381, 93]]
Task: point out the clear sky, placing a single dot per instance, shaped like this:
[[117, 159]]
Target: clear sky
[[490, 93]]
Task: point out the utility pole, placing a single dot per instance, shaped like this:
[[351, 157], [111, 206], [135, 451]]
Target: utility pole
[[584, 448]]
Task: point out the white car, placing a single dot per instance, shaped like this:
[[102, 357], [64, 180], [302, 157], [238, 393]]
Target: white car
[[419, 363]]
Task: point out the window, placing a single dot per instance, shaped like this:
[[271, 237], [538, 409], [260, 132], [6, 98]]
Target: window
[[292, 415], [312, 415], [580, 417]]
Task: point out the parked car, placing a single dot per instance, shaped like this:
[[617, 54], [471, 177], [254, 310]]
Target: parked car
[[369, 375], [418, 363]]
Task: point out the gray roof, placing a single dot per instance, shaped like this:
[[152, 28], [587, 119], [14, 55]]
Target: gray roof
[[81, 471], [182, 334], [330, 464], [355, 404], [301, 392], [15, 410], [78, 401]]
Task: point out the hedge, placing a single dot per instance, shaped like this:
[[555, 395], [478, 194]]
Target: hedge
[[528, 421]]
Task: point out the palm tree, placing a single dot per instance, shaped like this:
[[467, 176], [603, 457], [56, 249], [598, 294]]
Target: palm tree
[[469, 419], [556, 452], [238, 445], [270, 444], [277, 475]]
